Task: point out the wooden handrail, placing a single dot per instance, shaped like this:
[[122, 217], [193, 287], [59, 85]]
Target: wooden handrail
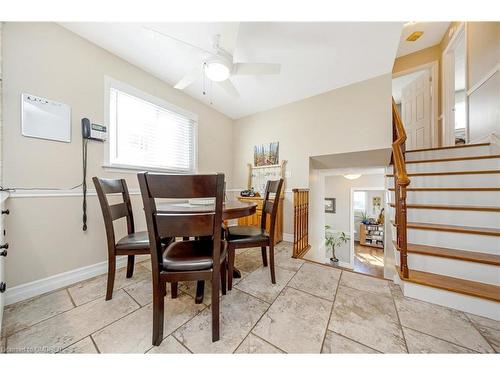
[[401, 181], [300, 222]]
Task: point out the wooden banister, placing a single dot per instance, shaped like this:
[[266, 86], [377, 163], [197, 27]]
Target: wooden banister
[[300, 222], [401, 181]]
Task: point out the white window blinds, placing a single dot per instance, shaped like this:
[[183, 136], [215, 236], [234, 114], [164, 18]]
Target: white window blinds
[[149, 136]]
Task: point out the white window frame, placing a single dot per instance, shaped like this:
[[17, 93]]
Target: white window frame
[[111, 83]]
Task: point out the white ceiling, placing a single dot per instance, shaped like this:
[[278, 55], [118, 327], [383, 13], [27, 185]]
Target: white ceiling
[[400, 82], [315, 57], [433, 34]]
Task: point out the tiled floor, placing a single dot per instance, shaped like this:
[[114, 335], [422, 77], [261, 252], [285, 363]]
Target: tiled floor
[[311, 309]]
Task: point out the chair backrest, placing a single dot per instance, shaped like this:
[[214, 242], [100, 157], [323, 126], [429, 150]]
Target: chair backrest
[[271, 206], [163, 222], [112, 212]]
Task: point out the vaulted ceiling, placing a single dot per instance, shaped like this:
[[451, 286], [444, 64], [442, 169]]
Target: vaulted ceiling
[[314, 57]]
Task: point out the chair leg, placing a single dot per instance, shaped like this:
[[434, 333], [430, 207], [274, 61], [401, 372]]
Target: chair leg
[[215, 305], [174, 286], [158, 309], [264, 255], [271, 262], [111, 277], [223, 271], [230, 267], [200, 291], [130, 266]]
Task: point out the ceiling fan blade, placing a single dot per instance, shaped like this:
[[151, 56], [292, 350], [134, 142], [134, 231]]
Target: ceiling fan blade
[[256, 68], [188, 79], [229, 88]]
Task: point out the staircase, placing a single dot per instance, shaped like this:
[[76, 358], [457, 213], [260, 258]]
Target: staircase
[[450, 215]]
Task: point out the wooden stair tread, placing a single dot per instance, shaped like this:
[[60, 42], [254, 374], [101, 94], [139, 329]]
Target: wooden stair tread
[[452, 284], [458, 173], [450, 207], [453, 228], [461, 158], [443, 252], [447, 147], [451, 189]]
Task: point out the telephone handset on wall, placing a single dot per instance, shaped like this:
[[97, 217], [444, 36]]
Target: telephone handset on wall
[[94, 132]]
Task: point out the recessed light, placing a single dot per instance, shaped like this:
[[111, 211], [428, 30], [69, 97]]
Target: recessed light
[[414, 36]]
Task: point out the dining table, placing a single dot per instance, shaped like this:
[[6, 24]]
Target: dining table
[[232, 209]]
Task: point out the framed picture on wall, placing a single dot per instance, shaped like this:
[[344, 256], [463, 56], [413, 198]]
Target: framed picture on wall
[[330, 205]]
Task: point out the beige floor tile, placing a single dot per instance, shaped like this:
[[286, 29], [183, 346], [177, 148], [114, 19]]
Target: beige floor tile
[[189, 287], [85, 346], [365, 283], [248, 261], [489, 328], [336, 344], [24, 314], [146, 264], [255, 345], [395, 290], [92, 289], [283, 259], [318, 280], [420, 343], [368, 318], [142, 292], [259, 284], [57, 333], [447, 324], [295, 322], [133, 333], [238, 314], [169, 345]]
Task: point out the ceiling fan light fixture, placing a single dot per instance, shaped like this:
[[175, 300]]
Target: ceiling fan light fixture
[[217, 71], [352, 176]]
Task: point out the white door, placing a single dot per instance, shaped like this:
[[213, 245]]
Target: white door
[[416, 112]]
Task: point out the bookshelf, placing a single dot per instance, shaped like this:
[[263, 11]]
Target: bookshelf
[[371, 235]]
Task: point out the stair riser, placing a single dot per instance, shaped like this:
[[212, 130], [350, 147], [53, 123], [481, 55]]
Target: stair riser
[[478, 180], [472, 198], [462, 218], [453, 166], [450, 153], [462, 302], [483, 273], [452, 240]]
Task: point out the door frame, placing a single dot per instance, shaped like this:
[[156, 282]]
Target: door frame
[[351, 218], [433, 68], [448, 89]]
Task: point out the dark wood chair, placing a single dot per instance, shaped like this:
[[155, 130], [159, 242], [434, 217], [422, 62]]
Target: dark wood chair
[[242, 236], [134, 243], [190, 260]]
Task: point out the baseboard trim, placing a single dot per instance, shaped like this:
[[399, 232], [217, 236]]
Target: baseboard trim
[[35, 288]]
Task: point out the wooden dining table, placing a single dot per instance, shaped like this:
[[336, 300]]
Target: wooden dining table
[[232, 209]]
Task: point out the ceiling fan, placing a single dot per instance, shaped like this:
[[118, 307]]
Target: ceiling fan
[[218, 66]]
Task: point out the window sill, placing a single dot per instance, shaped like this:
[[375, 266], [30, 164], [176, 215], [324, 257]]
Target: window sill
[[130, 169]]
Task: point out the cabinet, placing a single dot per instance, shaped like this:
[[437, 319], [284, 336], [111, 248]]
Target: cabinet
[[255, 219], [371, 235]]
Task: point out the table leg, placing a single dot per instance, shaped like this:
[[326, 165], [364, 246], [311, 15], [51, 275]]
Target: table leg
[[200, 291]]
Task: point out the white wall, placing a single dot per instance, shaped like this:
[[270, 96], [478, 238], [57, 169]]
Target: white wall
[[348, 119], [45, 233], [337, 186]]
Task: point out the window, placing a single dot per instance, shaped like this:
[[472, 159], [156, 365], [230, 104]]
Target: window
[[148, 133], [359, 200]]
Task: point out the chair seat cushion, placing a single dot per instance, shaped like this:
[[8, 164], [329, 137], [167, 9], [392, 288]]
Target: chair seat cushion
[[137, 241], [244, 233], [190, 255]]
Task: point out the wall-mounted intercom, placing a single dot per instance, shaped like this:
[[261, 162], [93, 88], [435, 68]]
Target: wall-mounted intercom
[[94, 132]]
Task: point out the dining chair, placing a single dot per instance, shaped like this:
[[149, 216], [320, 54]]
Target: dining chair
[[244, 236], [134, 243], [203, 258]]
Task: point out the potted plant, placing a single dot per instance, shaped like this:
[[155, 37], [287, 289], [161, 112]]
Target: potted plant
[[334, 239]]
